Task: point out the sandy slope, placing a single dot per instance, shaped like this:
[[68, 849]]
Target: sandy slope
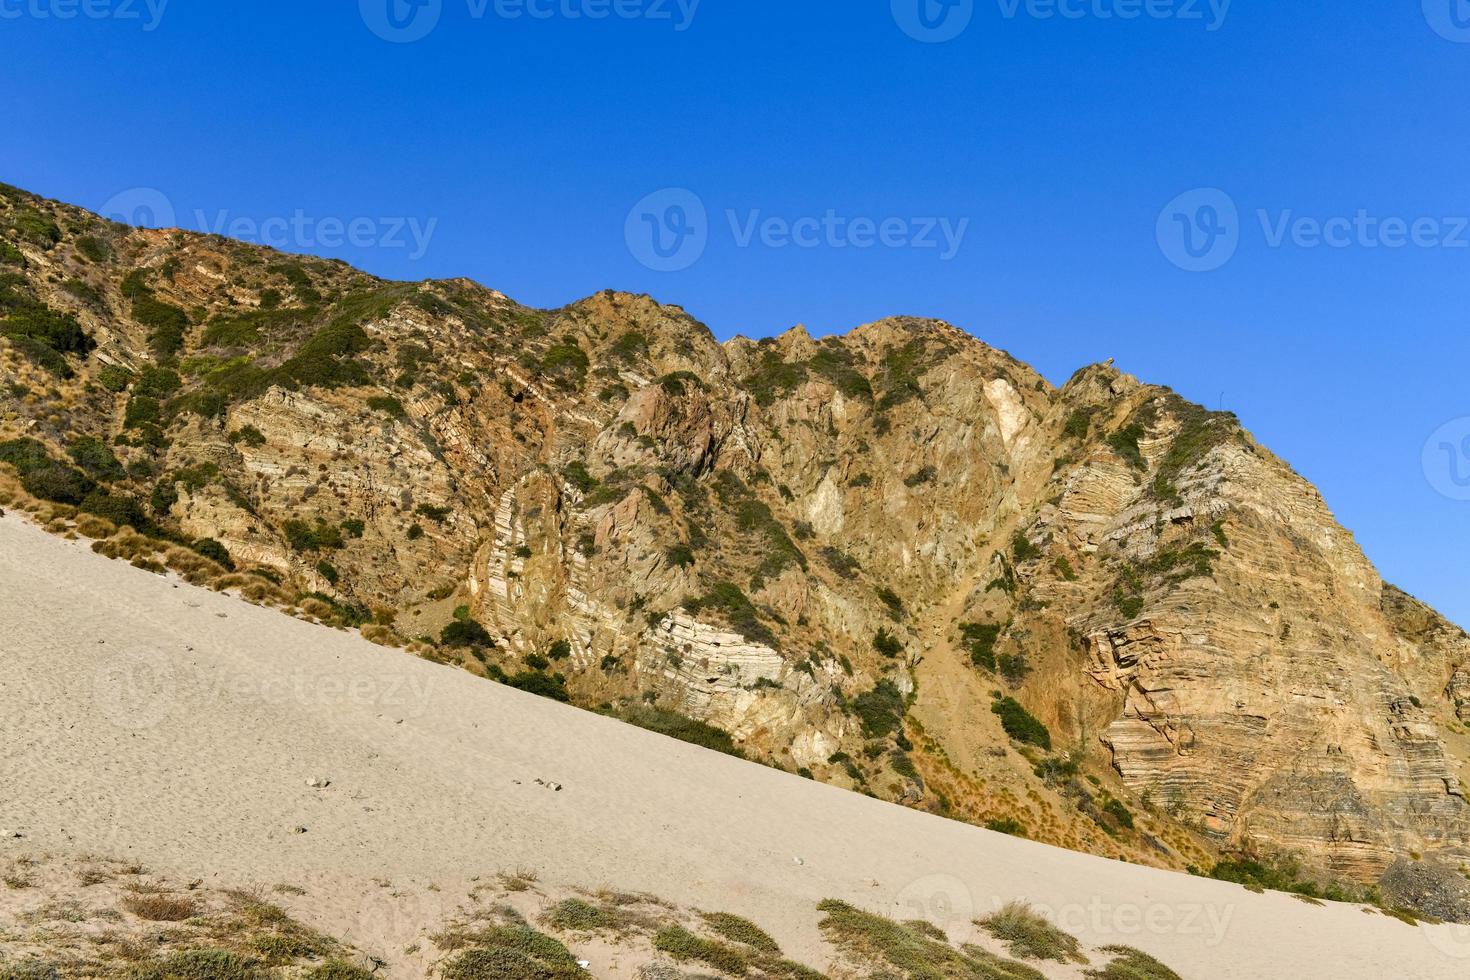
[[148, 720]]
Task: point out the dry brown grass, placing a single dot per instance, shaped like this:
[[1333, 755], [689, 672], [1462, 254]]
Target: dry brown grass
[[160, 908]]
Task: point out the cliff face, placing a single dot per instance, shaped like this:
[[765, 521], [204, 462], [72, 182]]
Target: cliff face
[[879, 558]]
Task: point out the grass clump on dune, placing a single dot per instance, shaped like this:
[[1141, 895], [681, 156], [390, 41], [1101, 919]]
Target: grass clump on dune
[[1030, 936], [199, 964], [742, 931], [1132, 964], [683, 945], [915, 952]]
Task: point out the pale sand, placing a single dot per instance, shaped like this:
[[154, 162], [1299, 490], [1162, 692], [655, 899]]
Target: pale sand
[[147, 720]]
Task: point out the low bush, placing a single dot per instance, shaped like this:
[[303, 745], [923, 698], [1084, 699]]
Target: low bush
[[465, 633], [1020, 724], [1030, 936]]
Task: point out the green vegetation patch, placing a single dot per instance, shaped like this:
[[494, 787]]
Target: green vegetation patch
[[913, 950], [1020, 724], [1030, 936], [1132, 964], [880, 710], [681, 727], [730, 601]]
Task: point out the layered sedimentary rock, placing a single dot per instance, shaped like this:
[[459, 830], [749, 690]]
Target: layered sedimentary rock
[[839, 551]]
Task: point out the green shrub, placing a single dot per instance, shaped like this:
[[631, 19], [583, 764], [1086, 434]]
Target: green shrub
[[1079, 423], [560, 650], [684, 945], [980, 640], [887, 644], [742, 931], [328, 571], [774, 378], [120, 510], [729, 599], [892, 603], [335, 969], [921, 477], [565, 361], [465, 633], [353, 527], [95, 458], [679, 556], [1007, 825], [250, 436], [415, 532], [1124, 442], [681, 727], [157, 383], [389, 406], [24, 454], [838, 366], [1119, 813], [36, 228], [1020, 724], [880, 710], [215, 552], [681, 381], [306, 537], [575, 915], [913, 949], [542, 685], [1132, 964], [436, 514], [114, 378], [166, 325], [1022, 549], [94, 249], [57, 482], [1030, 936], [575, 473], [142, 410], [514, 952]]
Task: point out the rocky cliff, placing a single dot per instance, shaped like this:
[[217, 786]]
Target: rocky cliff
[[897, 560]]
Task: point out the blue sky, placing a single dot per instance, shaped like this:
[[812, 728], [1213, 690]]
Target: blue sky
[[515, 139]]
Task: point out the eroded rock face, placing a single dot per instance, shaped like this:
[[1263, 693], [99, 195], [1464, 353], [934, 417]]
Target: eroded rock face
[[783, 539]]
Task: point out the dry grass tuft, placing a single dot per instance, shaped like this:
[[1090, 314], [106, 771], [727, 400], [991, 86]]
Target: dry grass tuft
[[160, 908]]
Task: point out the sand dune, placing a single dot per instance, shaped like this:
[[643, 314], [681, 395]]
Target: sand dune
[[144, 719]]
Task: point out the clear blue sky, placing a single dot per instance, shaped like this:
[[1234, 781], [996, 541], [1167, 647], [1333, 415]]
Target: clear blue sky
[[1059, 139]]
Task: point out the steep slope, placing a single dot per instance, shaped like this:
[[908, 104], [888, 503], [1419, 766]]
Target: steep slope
[[898, 561], [382, 799]]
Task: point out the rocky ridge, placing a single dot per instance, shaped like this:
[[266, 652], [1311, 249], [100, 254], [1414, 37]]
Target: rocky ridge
[[897, 560]]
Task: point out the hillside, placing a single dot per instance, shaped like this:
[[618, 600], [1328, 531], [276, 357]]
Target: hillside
[[287, 782], [897, 561]]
